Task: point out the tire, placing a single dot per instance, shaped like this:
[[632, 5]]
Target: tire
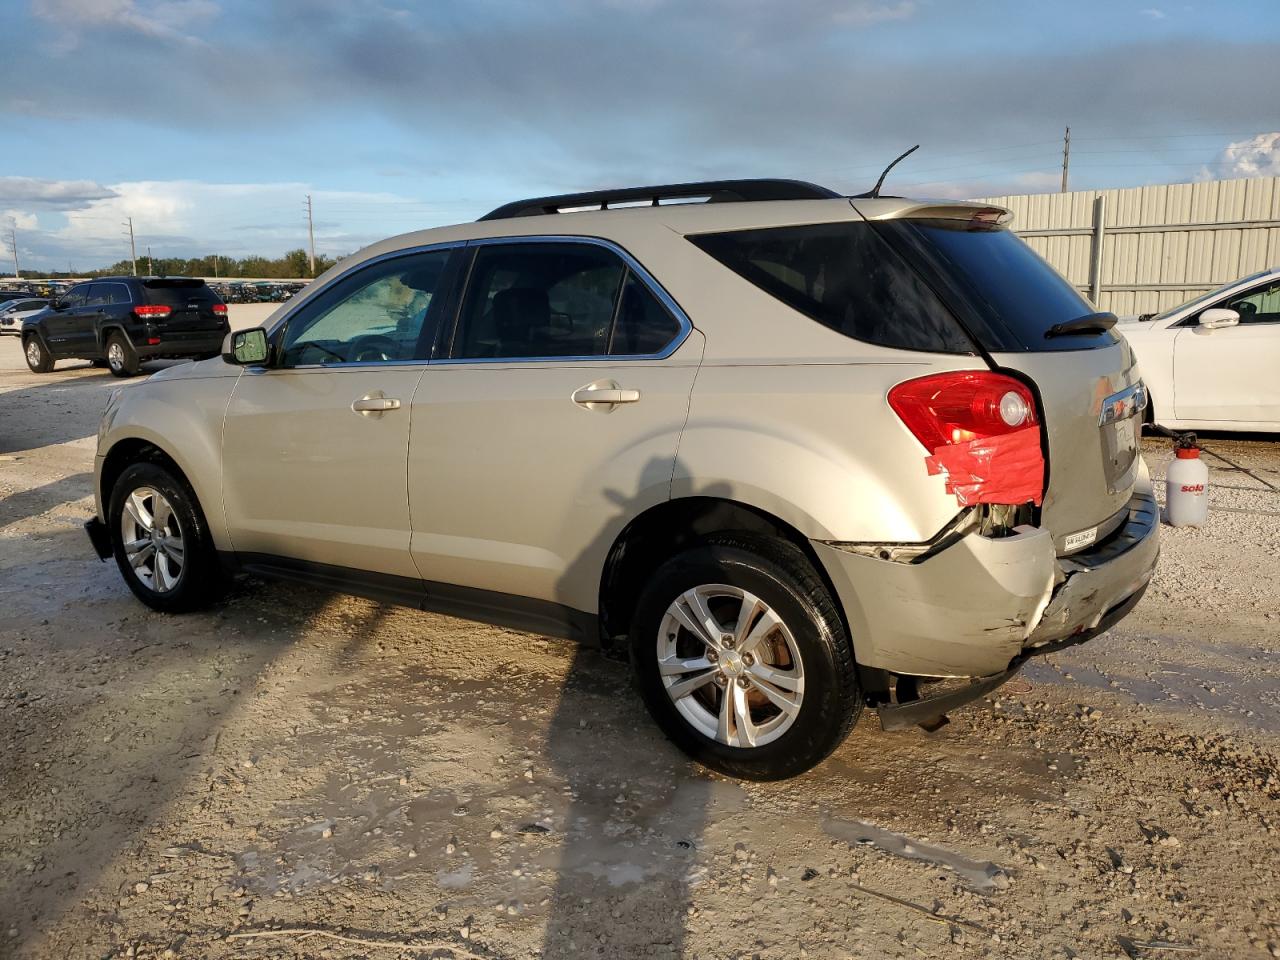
[[121, 358], [810, 649], [39, 359], [192, 581]]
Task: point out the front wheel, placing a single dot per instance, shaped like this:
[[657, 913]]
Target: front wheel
[[160, 540], [743, 660], [38, 357]]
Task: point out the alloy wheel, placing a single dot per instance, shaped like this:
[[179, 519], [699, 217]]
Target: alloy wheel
[[730, 665], [153, 539], [33, 352], [115, 355]]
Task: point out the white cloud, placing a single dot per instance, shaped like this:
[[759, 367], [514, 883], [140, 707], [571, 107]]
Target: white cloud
[[1155, 13], [19, 219], [162, 19], [1256, 157]]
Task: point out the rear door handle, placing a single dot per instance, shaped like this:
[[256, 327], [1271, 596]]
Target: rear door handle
[[372, 404], [609, 395]]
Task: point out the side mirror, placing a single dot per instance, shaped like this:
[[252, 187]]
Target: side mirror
[[1215, 318], [246, 347]]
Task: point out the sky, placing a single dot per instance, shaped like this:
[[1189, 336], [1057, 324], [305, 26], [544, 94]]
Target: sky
[[208, 121]]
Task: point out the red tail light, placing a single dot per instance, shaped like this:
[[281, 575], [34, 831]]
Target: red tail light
[[220, 309], [958, 407], [982, 430], [156, 310]]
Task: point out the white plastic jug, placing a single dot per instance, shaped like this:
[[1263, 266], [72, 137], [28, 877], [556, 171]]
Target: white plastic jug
[[1187, 487]]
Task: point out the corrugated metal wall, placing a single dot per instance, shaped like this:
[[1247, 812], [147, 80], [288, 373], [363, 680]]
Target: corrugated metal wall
[[1161, 244]]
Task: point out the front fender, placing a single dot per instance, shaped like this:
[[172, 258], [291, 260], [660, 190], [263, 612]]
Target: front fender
[[183, 418]]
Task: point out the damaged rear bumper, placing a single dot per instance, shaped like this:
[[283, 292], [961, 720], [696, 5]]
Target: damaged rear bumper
[[980, 606]]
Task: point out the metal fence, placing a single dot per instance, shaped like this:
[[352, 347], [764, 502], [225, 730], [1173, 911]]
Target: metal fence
[[1143, 249]]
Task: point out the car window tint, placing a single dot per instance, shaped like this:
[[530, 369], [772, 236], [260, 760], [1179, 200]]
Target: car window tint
[[539, 300], [380, 313], [844, 276], [76, 296], [643, 325], [1259, 305], [179, 293], [97, 295]]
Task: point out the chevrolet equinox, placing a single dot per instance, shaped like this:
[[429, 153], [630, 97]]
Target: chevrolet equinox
[[798, 452]]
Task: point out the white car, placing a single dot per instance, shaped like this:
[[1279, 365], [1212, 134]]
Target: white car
[[1211, 363], [14, 312]]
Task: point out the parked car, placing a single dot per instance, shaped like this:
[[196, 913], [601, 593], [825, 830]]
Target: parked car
[[1211, 363], [13, 312], [121, 321], [799, 452]]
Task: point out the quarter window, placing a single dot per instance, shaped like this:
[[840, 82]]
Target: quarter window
[[385, 312]]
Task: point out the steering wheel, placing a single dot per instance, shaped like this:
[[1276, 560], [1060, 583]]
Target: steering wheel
[[374, 347]]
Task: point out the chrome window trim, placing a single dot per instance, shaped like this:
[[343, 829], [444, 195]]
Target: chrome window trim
[[351, 271], [686, 326]]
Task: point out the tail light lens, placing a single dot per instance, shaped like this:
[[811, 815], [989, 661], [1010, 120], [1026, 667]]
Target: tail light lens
[[950, 408], [220, 309], [982, 432], [152, 311]]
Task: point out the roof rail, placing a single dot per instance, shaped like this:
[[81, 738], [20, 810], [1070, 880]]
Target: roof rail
[[715, 191]]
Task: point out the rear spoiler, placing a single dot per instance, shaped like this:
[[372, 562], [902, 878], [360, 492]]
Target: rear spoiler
[[984, 214]]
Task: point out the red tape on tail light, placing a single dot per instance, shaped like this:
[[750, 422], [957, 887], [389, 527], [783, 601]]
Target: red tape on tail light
[[1008, 468]]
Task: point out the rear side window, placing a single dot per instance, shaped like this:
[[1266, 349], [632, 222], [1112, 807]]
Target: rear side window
[[846, 277], [1006, 295], [179, 293]]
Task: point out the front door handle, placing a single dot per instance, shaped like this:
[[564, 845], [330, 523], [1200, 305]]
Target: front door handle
[[604, 394], [375, 404]]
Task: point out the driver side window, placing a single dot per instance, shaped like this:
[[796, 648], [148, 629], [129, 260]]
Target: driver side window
[[383, 313], [1259, 305]]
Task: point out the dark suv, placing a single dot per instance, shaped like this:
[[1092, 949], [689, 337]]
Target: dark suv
[[121, 321]]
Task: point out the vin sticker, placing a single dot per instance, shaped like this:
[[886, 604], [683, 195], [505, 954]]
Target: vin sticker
[[1083, 538]]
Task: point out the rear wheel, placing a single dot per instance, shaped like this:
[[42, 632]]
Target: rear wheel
[[38, 357], [121, 357], [743, 660], [160, 540]]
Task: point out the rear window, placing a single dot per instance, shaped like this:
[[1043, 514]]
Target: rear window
[[846, 277], [1001, 289], [179, 293]]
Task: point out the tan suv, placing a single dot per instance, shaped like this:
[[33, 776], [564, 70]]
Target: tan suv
[[801, 451]]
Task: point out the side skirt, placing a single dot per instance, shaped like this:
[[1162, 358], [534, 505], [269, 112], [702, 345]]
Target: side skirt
[[542, 617]]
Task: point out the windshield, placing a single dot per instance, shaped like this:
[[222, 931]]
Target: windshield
[[1209, 296]]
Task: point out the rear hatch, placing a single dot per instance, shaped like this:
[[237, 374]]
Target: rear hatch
[[1009, 300], [191, 303]]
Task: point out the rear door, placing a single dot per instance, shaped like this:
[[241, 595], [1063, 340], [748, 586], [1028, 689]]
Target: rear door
[[1087, 383], [554, 419], [1230, 375]]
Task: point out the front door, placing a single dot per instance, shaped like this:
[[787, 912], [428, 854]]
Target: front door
[[1230, 374], [315, 445], [62, 325], [554, 419]]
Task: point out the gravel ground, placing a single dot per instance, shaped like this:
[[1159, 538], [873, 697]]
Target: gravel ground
[[300, 760]]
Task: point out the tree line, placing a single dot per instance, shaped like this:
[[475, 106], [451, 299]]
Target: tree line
[[292, 266]]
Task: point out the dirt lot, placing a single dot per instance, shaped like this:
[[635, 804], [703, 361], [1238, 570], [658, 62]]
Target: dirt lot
[[300, 760]]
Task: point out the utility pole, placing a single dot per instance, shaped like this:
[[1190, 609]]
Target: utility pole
[[215, 266], [13, 246], [1066, 157], [133, 250], [311, 236], [151, 270]]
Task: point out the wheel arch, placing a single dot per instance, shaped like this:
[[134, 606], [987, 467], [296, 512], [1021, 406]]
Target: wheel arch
[[669, 527]]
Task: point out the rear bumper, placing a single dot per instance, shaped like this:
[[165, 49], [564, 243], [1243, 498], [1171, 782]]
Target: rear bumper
[[979, 607], [202, 344]]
